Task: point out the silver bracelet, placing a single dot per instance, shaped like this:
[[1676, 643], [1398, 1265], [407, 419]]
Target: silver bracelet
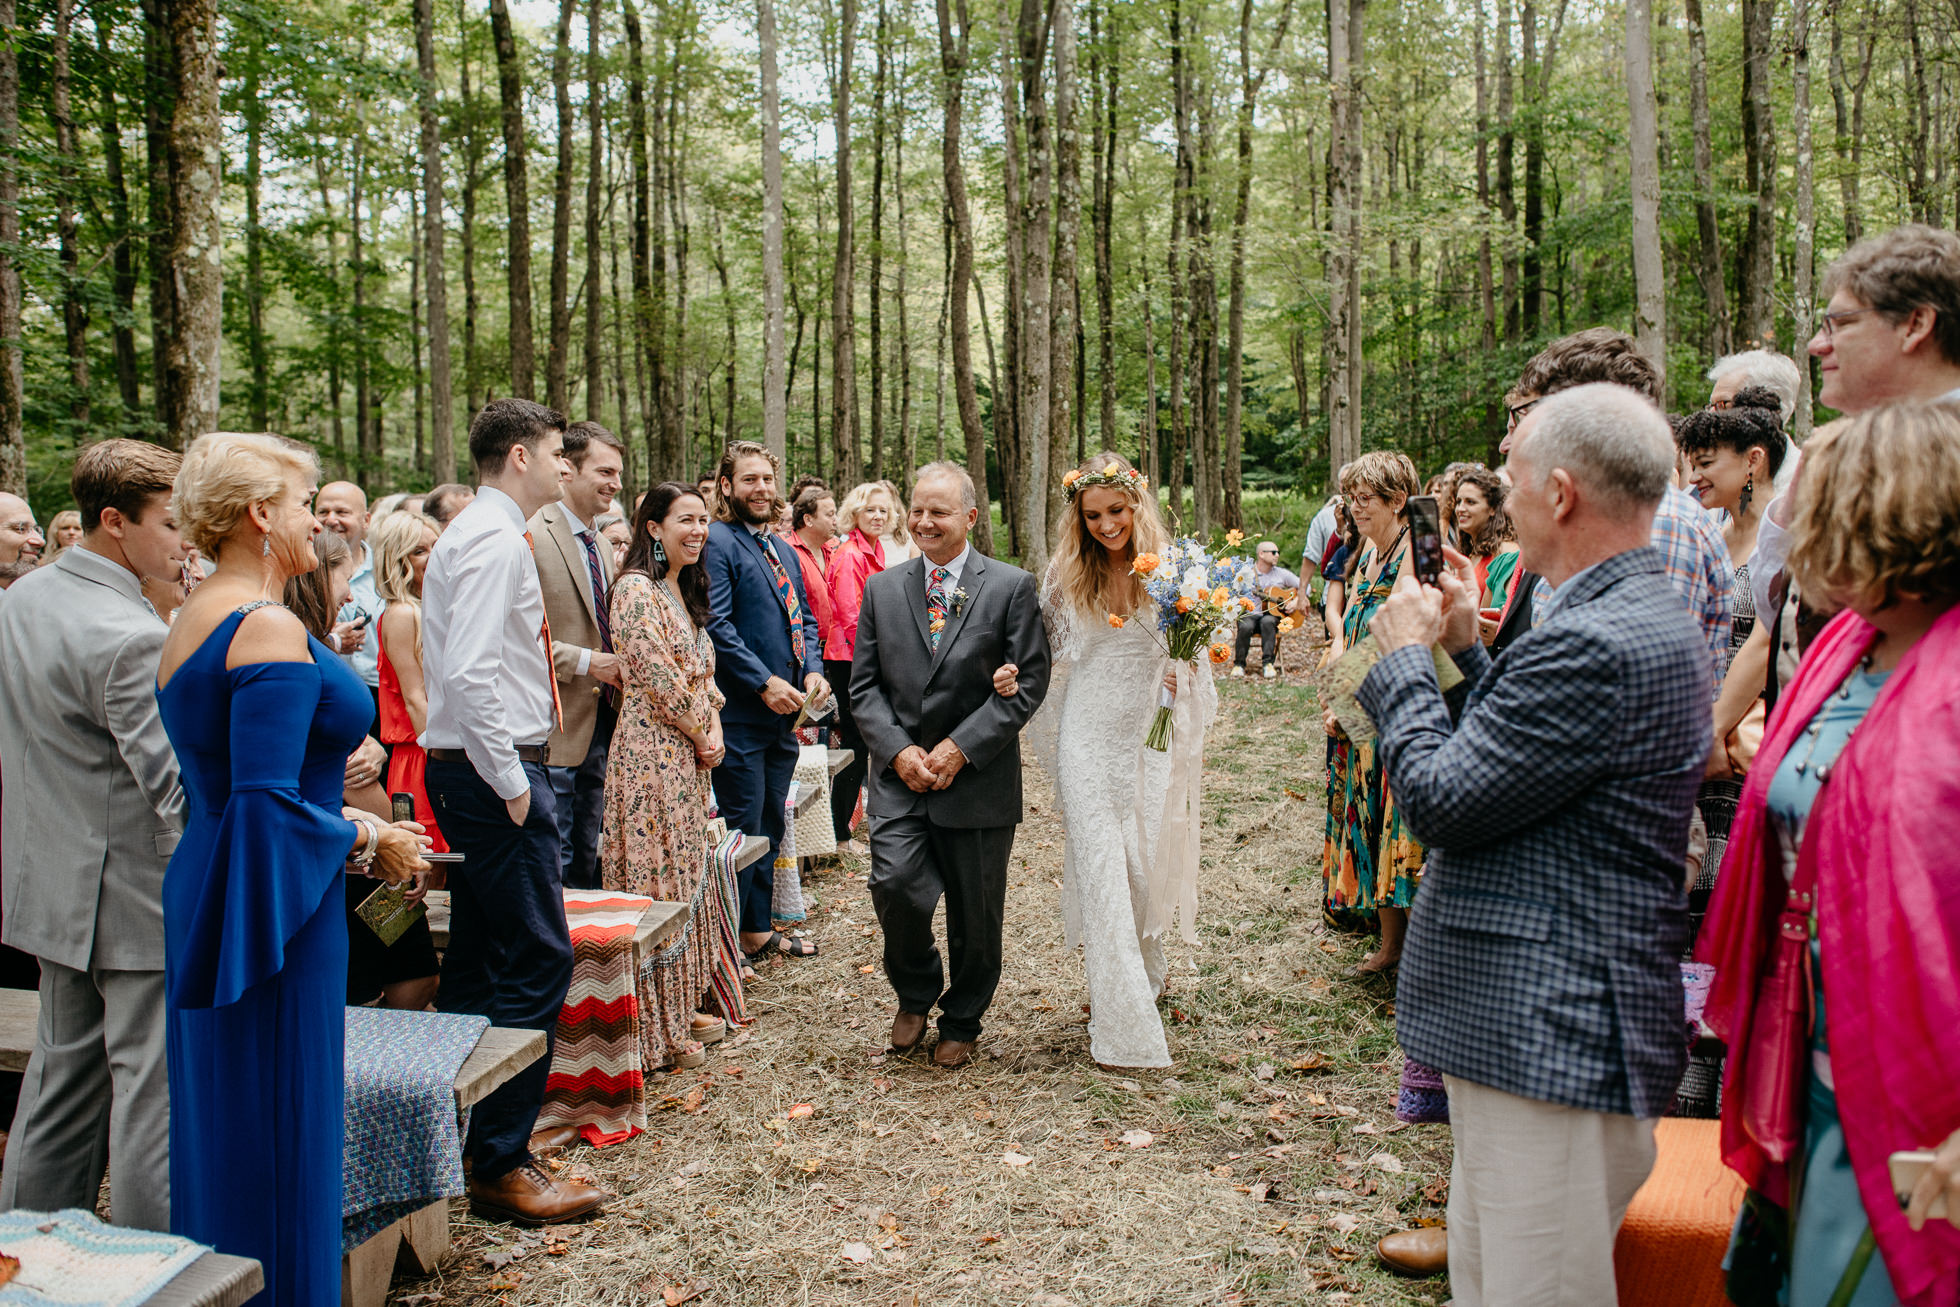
[[363, 858]]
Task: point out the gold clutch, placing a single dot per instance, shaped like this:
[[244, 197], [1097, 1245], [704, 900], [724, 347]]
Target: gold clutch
[[388, 913]]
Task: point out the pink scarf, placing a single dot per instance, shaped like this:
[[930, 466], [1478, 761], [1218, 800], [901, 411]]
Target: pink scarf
[[1882, 837]]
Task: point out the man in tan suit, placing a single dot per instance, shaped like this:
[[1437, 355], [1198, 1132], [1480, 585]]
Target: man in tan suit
[[575, 568]]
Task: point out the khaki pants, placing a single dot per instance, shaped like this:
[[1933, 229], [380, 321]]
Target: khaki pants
[[1537, 1193]]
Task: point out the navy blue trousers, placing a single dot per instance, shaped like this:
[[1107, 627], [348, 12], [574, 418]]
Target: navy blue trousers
[[581, 795], [510, 952], [751, 785]]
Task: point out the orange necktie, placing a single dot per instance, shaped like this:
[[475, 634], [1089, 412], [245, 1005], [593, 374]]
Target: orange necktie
[[544, 633]]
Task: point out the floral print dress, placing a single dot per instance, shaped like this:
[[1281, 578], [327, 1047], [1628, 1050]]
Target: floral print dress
[[658, 799]]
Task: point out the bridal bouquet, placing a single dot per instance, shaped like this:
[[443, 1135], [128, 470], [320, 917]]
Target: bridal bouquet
[[1193, 594]]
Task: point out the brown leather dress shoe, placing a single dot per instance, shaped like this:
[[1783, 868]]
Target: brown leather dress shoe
[[529, 1196], [951, 1054], [908, 1028], [1418, 1253], [553, 1139]]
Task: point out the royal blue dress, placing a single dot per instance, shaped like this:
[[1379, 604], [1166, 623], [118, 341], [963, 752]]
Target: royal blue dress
[[255, 959]]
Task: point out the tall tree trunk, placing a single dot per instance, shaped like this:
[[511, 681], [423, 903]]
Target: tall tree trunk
[[1757, 321], [255, 340], [473, 393], [1920, 198], [368, 456], [595, 368], [442, 435], [1708, 248], [1005, 399], [1250, 83], [159, 107], [1065, 299], [421, 462], [13, 449], [645, 341], [843, 292], [1106, 56], [953, 56], [334, 333], [1507, 201], [122, 253], [1804, 305], [775, 378], [906, 463], [558, 349], [1181, 233], [876, 467], [1848, 109], [1034, 434], [1002, 411], [74, 312], [1650, 287], [196, 237], [664, 378], [517, 200], [1147, 437], [728, 344], [1537, 85], [1343, 264]]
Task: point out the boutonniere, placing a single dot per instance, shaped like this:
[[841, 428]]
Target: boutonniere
[[958, 601]]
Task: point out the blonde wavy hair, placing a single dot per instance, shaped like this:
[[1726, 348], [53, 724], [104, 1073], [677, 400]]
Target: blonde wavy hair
[[854, 502], [226, 472], [393, 539], [1878, 507], [1082, 572], [895, 530]]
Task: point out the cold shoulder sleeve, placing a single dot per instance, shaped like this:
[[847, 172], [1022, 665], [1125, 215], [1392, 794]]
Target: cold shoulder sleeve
[[275, 856]]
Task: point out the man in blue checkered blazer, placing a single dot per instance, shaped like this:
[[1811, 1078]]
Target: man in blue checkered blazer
[[1541, 974]]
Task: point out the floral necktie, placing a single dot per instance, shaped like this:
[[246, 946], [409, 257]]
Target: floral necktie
[[787, 593], [936, 605]]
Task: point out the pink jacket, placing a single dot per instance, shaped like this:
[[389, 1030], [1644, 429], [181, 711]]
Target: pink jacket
[[856, 561], [1888, 908]]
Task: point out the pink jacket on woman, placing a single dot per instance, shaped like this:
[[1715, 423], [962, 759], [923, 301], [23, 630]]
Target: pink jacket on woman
[[856, 561]]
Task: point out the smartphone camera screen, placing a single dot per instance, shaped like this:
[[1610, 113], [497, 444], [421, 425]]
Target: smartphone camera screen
[[1426, 537]]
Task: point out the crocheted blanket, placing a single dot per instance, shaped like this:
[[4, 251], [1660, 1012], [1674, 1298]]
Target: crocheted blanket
[[71, 1258], [598, 1063]]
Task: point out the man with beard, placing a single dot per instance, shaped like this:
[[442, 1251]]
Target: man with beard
[[768, 662], [20, 540]]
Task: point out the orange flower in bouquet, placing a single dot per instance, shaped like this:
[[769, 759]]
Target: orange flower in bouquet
[[1220, 655], [1144, 564]]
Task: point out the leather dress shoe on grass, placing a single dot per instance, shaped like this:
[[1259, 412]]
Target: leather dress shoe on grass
[[908, 1028], [951, 1054], [553, 1139], [530, 1196], [1418, 1253]]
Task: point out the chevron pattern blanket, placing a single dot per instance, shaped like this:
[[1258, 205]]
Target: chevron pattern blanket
[[598, 1066]]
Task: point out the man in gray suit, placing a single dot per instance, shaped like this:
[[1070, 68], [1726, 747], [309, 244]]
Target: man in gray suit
[[945, 777], [92, 810]]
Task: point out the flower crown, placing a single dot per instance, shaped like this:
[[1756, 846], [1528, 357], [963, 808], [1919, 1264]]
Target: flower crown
[[1076, 480]]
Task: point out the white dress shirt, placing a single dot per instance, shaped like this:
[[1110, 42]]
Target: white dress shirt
[[483, 655]]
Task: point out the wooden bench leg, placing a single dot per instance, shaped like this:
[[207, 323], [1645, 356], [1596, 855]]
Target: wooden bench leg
[[425, 1239], [366, 1271]]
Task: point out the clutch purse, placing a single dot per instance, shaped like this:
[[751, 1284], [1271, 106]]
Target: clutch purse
[[388, 913]]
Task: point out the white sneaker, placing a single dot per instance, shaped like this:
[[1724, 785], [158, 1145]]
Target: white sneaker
[[1268, 672], [1237, 670]]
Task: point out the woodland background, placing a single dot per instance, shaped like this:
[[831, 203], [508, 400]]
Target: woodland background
[[1239, 239]]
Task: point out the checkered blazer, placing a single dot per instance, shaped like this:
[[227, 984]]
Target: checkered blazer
[[1543, 951]]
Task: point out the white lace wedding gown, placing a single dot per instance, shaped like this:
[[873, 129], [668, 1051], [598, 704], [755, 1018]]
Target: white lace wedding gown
[[1123, 879]]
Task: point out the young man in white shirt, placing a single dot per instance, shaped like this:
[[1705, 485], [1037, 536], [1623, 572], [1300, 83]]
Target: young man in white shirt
[[493, 704]]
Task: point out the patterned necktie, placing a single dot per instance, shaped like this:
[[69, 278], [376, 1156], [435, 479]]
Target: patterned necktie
[[936, 605], [544, 634], [598, 590], [787, 593]]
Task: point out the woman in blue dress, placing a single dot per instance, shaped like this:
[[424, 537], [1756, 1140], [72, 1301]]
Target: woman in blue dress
[[262, 717]]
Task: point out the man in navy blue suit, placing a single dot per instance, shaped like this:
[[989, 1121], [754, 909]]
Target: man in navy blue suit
[[768, 660]]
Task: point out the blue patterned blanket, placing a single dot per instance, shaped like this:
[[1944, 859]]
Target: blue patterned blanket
[[404, 1146]]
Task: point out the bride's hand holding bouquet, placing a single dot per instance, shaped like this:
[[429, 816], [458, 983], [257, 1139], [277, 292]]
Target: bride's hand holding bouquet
[[1191, 592]]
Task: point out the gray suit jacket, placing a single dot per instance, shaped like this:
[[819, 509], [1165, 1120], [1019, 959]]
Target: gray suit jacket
[[566, 580], [904, 693], [93, 805], [1544, 948]]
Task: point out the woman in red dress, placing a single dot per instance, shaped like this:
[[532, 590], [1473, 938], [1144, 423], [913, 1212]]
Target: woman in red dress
[[401, 544]]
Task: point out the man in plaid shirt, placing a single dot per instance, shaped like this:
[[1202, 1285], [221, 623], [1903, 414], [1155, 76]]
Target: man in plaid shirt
[[1541, 973]]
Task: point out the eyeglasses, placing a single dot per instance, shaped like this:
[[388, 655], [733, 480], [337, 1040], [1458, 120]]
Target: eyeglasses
[[26, 527], [1517, 411], [1831, 320]]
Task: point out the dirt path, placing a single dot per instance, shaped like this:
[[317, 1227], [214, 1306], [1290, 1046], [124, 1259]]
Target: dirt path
[[1259, 1169]]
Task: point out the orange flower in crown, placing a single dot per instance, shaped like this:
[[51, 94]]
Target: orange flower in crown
[[1144, 564], [1116, 620], [1068, 477], [1220, 655]]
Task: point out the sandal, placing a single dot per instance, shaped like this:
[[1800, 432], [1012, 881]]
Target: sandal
[[691, 1056], [787, 945], [711, 1033]]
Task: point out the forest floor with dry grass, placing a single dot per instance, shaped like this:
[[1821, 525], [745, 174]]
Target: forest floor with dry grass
[[1260, 1169]]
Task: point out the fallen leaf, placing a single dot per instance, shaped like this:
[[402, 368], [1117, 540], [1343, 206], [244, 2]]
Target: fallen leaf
[[937, 1191], [866, 970], [881, 1084], [1318, 1100], [1013, 1158], [408, 1300], [1265, 1071], [1311, 1062], [801, 1110], [887, 1222], [858, 1253], [676, 1294], [692, 1168], [693, 1100], [1292, 793], [1139, 1138], [1387, 1162], [1438, 1192], [986, 1239], [1344, 1223], [1259, 1192]]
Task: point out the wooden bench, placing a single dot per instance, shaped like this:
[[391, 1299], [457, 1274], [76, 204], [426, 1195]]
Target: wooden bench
[[659, 924], [213, 1280], [840, 759]]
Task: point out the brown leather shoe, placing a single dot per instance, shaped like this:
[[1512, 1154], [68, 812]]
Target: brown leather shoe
[[908, 1028], [529, 1196], [951, 1054], [553, 1139], [1418, 1253]]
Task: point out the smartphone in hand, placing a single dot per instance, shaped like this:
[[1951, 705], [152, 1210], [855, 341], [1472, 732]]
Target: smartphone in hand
[[1426, 537]]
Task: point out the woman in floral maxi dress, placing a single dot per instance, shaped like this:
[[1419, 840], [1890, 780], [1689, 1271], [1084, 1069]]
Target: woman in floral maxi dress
[[657, 790]]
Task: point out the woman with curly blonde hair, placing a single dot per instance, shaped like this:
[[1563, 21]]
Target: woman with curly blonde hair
[[1127, 858]]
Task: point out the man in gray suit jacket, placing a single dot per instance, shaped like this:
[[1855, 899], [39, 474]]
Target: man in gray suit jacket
[[945, 775], [1541, 974], [91, 812]]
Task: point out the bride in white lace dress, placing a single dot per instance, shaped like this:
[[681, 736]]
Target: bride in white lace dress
[[1129, 812]]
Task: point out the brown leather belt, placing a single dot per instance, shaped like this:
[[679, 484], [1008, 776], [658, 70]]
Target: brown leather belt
[[536, 753]]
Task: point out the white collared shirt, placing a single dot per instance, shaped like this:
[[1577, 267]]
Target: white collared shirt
[[483, 656], [366, 660], [953, 569]]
